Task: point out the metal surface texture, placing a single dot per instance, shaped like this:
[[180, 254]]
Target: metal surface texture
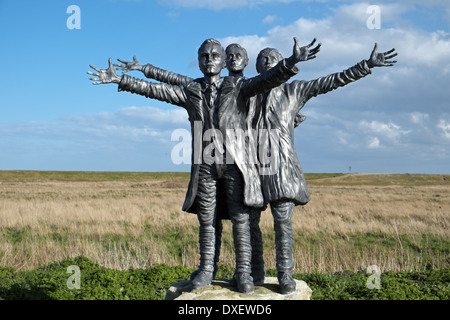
[[250, 160]]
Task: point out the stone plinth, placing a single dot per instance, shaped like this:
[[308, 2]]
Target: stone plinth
[[223, 290]]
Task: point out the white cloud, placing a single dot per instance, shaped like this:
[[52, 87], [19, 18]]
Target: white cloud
[[389, 130], [270, 19], [444, 125], [132, 138], [419, 117], [130, 123], [346, 38], [392, 113], [359, 13], [233, 4], [211, 4], [155, 115], [423, 49], [396, 111], [374, 143], [418, 79]]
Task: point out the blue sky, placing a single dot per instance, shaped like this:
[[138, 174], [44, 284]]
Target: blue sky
[[395, 120]]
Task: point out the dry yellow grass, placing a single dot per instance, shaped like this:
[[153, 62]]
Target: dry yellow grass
[[128, 223]]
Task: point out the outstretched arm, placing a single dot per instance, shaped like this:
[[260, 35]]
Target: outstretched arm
[[172, 94], [153, 72], [164, 92], [282, 72], [325, 84]]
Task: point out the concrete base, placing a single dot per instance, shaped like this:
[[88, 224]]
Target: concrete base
[[223, 290]]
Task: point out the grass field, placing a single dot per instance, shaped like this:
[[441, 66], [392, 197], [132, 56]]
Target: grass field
[[123, 220]]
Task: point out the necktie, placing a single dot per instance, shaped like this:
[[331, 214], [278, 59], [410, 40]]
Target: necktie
[[210, 95]]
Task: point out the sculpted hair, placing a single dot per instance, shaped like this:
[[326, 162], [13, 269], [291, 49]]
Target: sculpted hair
[[215, 42], [237, 45]]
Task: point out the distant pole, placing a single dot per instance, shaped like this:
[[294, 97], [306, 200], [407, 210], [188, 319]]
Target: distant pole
[[350, 169]]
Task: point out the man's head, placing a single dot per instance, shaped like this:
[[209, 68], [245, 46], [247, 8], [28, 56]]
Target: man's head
[[237, 58], [267, 58], [211, 57]]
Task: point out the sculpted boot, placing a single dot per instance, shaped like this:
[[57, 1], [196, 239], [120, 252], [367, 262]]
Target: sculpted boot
[[244, 282], [258, 269], [286, 282], [282, 213], [243, 250], [204, 274], [219, 228], [285, 263], [202, 279], [195, 273]]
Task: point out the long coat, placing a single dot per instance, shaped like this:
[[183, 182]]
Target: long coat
[[231, 109], [276, 110]]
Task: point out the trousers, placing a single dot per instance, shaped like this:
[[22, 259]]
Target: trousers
[[282, 211], [229, 175]]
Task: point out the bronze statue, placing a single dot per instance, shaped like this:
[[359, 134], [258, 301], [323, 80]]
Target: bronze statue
[[267, 107], [236, 62], [216, 103], [273, 113]]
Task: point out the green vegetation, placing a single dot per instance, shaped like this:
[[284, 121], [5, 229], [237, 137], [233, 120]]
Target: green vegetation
[[128, 232], [52, 282], [96, 283], [424, 285]]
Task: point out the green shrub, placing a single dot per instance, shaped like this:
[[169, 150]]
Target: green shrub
[[424, 285], [96, 283], [50, 282]]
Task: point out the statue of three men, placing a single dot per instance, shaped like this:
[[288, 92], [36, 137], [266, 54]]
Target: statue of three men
[[261, 166]]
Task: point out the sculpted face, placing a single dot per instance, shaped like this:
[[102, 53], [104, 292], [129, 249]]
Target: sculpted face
[[267, 59], [237, 59], [211, 59]]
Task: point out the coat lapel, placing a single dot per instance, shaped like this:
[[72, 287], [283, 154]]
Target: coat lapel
[[196, 101], [227, 90]]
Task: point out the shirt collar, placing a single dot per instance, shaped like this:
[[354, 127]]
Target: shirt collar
[[215, 84]]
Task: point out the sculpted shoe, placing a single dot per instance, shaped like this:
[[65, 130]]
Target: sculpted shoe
[[202, 279], [286, 282], [194, 274], [244, 282]]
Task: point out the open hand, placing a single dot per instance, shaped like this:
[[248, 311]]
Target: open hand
[[304, 53], [104, 76], [381, 59], [128, 66]]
